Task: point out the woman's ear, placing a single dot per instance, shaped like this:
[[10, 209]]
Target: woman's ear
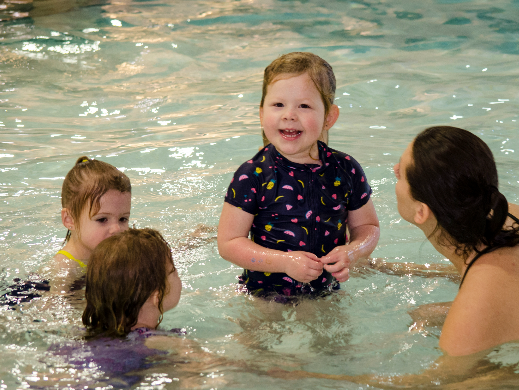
[[66, 219], [331, 118], [422, 213]]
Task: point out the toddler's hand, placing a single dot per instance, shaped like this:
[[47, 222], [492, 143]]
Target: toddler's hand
[[338, 262], [303, 266]]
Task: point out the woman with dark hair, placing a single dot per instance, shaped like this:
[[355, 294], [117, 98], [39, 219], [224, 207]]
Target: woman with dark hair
[[448, 187]]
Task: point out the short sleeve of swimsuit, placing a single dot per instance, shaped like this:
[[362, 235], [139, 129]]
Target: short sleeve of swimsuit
[[360, 190], [244, 187]]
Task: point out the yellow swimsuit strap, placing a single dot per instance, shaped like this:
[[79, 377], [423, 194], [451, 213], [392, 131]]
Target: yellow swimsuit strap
[[83, 265]]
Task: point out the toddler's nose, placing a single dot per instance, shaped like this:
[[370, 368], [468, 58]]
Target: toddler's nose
[[289, 114]]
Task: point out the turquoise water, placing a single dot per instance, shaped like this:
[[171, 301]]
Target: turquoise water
[[168, 91]]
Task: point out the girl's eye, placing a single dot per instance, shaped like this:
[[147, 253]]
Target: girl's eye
[[305, 106], [102, 220], [278, 104], [123, 219]]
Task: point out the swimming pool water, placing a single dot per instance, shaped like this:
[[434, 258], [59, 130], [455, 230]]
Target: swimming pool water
[[168, 91]]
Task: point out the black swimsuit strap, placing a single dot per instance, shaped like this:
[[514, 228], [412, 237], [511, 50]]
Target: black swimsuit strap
[[513, 217], [484, 251]]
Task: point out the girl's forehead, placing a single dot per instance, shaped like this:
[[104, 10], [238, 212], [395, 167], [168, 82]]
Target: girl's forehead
[[286, 76], [303, 83]]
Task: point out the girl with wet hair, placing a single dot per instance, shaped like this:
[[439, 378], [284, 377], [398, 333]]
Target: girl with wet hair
[[131, 281], [298, 215], [96, 202]]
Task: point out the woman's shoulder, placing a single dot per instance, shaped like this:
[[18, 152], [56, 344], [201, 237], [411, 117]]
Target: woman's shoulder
[[492, 284], [485, 312], [496, 268]]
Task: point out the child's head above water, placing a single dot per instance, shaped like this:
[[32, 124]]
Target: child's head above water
[[297, 108], [131, 280], [297, 63], [86, 183]]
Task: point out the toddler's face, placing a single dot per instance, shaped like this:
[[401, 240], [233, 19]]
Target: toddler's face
[[293, 117], [111, 218]]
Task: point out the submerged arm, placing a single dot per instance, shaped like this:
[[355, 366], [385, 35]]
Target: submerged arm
[[446, 370], [410, 269]]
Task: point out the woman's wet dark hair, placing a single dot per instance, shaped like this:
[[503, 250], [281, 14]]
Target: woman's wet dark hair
[[454, 173]]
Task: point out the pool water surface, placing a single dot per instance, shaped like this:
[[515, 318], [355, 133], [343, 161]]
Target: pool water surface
[[168, 92]]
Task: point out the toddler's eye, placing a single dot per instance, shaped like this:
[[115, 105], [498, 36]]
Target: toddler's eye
[[278, 104], [102, 220], [124, 219], [304, 106]]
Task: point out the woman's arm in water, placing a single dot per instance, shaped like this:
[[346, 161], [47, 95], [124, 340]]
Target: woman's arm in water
[[448, 371], [396, 268]]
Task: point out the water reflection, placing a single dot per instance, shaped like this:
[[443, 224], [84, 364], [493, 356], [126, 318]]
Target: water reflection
[[168, 91]]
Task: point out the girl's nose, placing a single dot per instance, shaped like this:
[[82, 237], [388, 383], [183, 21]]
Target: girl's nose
[[115, 228], [289, 114]]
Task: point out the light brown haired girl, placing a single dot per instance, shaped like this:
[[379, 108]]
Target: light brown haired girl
[[96, 202]]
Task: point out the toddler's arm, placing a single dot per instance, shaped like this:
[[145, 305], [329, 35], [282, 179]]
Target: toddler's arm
[[364, 233], [235, 246]]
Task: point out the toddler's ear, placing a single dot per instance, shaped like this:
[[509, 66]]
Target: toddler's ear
[[331, 118], [66, 219]]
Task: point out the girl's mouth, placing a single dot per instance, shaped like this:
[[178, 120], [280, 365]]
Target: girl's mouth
[[290, 133]]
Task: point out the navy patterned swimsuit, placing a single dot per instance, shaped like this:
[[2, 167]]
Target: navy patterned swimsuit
[[297, 207]]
